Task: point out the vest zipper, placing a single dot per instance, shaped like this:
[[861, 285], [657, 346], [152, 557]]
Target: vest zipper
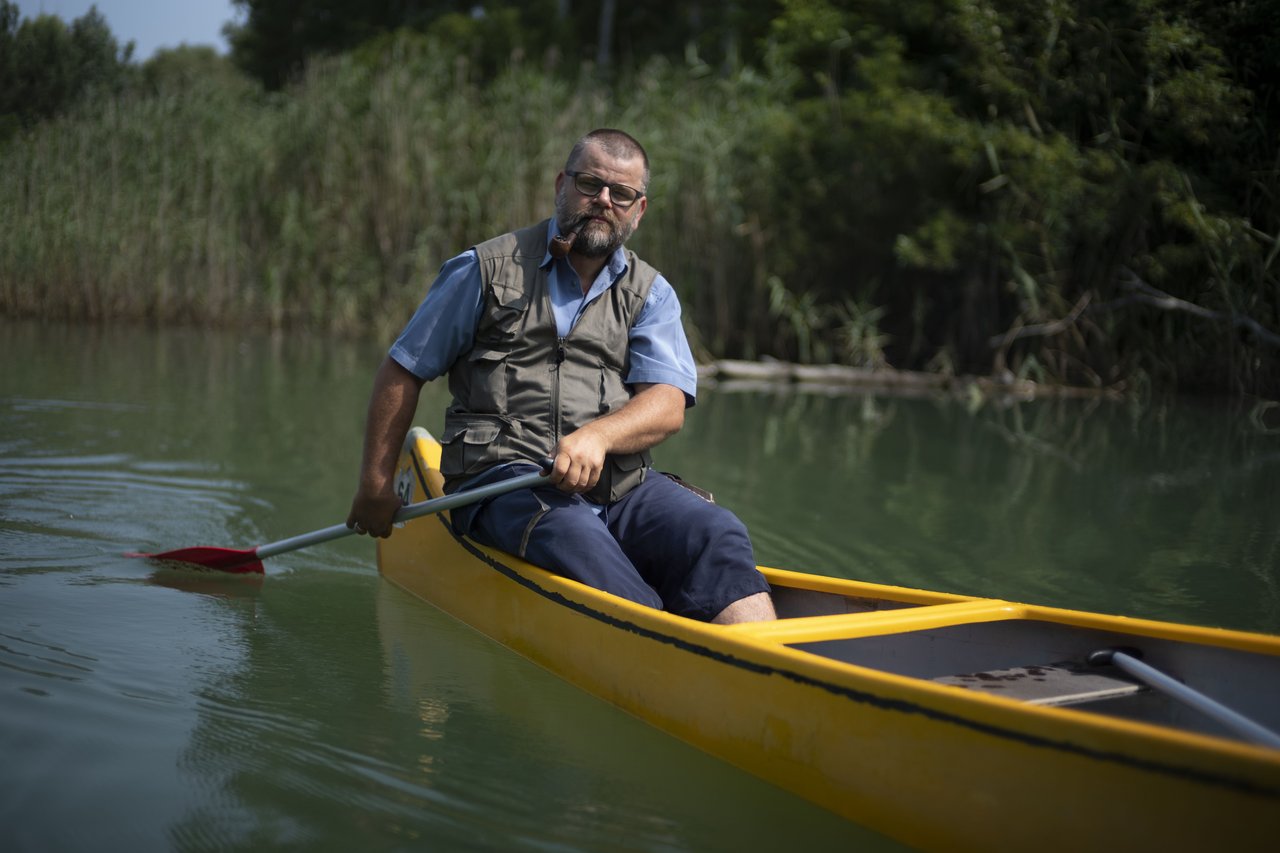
[[555, 394]]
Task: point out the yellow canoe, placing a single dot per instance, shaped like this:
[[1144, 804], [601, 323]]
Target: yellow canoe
[[944, 721]]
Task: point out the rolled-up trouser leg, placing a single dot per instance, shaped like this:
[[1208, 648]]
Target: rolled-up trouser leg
[[696, 554]]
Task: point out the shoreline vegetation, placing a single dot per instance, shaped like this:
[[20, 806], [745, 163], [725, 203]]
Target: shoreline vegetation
[[1073, 197]]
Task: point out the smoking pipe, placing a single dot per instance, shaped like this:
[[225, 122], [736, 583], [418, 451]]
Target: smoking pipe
[[561, 244]]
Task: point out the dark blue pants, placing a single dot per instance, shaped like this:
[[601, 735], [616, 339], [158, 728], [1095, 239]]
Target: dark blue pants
[[660, 545]]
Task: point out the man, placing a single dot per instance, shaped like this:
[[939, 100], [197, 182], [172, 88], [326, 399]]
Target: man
[[559, 343]]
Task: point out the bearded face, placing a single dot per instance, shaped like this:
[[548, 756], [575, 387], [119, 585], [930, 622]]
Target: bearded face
[[603, 228]]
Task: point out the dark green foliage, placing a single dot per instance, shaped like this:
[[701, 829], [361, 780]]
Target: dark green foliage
[[46, 65], [187, 67], [1016, 180], [278, 37]]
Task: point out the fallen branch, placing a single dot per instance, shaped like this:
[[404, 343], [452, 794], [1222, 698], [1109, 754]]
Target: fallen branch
[[1142, 292], [1042, 329], [1137, 291]]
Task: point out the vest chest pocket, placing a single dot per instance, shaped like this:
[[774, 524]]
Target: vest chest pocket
[[488, 392], [504, 312]]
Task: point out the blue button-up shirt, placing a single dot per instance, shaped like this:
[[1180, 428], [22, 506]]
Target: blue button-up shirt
[[443, 328]]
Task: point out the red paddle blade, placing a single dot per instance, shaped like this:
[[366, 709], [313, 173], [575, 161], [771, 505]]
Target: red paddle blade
[[236, 561]]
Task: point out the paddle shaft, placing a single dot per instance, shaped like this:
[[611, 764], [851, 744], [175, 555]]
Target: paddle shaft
[[457, 499], [1233, 720]]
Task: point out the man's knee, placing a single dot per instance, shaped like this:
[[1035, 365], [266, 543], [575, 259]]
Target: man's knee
[[757, 607]]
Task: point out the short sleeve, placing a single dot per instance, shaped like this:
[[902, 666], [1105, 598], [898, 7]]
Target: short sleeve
[[444, 326], [659, 349]]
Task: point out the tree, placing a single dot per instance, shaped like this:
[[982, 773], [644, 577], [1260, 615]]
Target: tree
[[278, 37], [46, 66], [188, 67], [1032, 184]]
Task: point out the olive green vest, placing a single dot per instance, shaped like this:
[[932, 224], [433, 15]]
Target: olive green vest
[[521, 388]]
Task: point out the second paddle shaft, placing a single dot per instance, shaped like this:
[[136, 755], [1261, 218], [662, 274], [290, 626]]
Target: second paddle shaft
[[1228, 717]]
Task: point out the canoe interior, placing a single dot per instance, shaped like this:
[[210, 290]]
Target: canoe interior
[[1045, 662]]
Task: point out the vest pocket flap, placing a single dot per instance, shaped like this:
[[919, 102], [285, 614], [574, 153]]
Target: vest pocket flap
[[502, 316], [622, 473], [472, 432], [510, 295], [484, 354], [630, 461]]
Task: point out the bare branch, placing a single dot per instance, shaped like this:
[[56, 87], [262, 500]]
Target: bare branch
[[1042, 329], [1142, 292], [1136, 291]]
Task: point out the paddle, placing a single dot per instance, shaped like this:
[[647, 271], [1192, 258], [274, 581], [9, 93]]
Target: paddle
[[1127, 660], [249, 560]]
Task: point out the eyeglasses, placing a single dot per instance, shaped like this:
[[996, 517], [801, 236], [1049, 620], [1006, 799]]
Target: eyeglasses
[[590, 186]]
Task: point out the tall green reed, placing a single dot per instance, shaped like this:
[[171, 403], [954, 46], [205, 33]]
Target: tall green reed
[[332, 205]]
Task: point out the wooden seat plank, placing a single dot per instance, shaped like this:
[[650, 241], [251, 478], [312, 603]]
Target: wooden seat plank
[[1064, 683]]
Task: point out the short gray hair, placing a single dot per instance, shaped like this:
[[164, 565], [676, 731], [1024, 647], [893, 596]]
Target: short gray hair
[[616, 143]]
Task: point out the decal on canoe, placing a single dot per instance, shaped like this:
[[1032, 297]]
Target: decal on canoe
[[404, 484]]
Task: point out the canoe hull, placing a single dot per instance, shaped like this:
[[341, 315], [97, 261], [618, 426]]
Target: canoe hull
[[935, 767]]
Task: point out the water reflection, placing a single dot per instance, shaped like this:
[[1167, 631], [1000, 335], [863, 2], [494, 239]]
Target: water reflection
[[567, 770], [207, 582], [143, 708]]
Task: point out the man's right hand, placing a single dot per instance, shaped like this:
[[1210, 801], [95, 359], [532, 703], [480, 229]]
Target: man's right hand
[[372, 513], [391, 409]]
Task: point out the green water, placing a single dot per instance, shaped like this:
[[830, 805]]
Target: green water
[[320, 709]]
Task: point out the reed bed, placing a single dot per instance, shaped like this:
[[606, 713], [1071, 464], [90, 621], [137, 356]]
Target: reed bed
[[332, 207]]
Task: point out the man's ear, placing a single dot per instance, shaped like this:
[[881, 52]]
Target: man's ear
[[643, 204]]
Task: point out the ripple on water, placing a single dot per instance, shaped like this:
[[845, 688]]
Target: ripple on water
[[77, 512], [43, 660], [41, 405]]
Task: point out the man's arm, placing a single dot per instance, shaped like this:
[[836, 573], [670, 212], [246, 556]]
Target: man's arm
[[442, 328], [391, 409], [654, 414]]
